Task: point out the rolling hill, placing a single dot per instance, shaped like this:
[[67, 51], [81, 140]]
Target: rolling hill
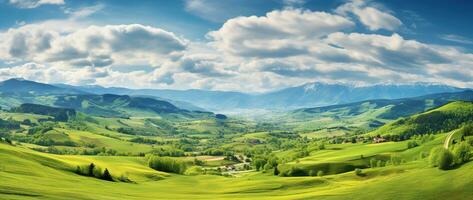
[[439, 120], [17, 92], [25, 87], [366, 114]]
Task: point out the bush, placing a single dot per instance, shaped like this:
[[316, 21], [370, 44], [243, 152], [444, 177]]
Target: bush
[[379, 163], [372, 162], [259, 164], [167, 164], [276, 171], [462, 153], [295, 171], [93, 170], [446, 160], [358, 172], [412, 144], [312, 172], [441, 158], [320, 173], [396, 159]]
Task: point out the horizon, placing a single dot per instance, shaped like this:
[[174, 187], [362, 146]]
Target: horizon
[[254, 47], [251, 93]]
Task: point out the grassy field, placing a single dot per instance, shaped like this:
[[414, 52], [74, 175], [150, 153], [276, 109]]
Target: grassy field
[[25, 174], [394, 169]]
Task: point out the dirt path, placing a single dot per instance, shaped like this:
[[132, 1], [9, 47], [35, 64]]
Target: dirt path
[[447, 140]]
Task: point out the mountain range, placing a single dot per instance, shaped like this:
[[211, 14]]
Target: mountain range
[[307, 95]]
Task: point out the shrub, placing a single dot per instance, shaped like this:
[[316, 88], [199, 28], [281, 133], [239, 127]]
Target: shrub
[[446, 160], [358, 172], [372, 162], [312, 172], [124, 178], [396, 159], [470, 141], [321, 146], [320, 173], [167, 164], [276, 171], [295, 171], [462, 153], [93, 170], [441, 158], [259, 164], [412, 144], [379, 163]]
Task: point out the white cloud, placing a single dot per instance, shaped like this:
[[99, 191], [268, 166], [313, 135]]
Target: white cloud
[[253, 53], [392, 52], [457, 39], [373, 18], [34, 3], [83, 11], [91, 46], [281, 33], [293, 3]]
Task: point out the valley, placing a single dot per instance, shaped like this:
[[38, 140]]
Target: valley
[[71, 144]]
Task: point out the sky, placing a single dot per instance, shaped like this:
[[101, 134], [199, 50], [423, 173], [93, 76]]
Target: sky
[[236, 45]]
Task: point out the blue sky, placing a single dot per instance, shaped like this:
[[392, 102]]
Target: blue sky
[[245, 45]]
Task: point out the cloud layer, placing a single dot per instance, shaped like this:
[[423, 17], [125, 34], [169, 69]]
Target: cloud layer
[[284, 47]]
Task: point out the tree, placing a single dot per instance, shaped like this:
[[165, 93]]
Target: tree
[[276, 171], [320, 173], [91, 169], [441, 158], [259, 163], [445, 160], [312, 172], [462, 153], [379, 163], [372, 162], [106, 175]]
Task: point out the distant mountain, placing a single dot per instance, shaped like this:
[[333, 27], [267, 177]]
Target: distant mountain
[[319, 94], [18, 94], [117, 105], [307, 95], [25, 87], [95, 89]]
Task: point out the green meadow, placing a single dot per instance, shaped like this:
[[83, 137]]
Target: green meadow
[[97, 157]]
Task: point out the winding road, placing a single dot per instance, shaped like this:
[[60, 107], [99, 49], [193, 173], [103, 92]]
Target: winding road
[[447, 140]]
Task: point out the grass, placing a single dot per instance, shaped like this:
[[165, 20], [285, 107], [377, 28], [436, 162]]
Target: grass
[[25, 174]]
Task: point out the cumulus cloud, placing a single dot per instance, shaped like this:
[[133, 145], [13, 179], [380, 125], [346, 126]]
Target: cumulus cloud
[[34, 3], [281, 33], [393, 51], [248, 53], [373, 18], [50, 74], [92, 46]]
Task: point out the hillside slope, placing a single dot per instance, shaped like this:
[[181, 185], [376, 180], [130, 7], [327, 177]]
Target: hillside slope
[[371, 113], [443, 119]]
